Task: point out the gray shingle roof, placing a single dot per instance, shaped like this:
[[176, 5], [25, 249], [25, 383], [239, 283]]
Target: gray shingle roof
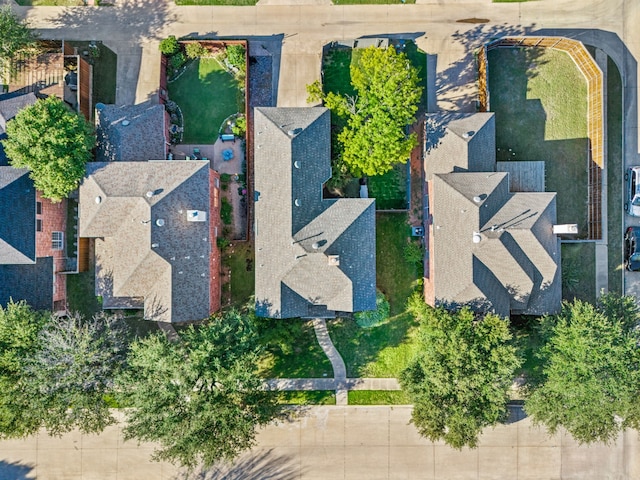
[[459, 142], [515, 264], [139, 259], [143, 138], [17, 217], [32, 283], [11, 104], [314, 257]]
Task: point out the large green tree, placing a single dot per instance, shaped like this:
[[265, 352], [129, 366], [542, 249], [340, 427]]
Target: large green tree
[[16, 40], [388, 93], [73, 371], [199, 397], [459, 381], [590, 375], [19, 329], [54, 143]]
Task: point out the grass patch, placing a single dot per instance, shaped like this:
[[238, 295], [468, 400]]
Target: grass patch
[[292, 350], [509, 1], [310, 397], [377, 352], [81, 293], [50, 3], [578, 271], [239, 258], [540, 101], [528, 342], [241, 3], [336, 76], [104, 72], [207, 95], [395, 276], [614, 177], [378, 397], [390, 189]]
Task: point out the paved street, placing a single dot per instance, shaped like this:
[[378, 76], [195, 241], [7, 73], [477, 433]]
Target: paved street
[[331, 443], [346, 442]]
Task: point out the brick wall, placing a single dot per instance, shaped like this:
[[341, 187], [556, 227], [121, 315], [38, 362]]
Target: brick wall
[[53, 217], [215, 224], [429, 286]]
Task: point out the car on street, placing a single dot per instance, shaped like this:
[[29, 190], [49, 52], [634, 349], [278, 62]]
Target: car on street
[[632, 249], [632, 180]]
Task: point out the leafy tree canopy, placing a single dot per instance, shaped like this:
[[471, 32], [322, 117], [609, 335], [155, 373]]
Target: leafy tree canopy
[[54, 143], [73, 371], [460, 379], [16, 39], [169, 45], [387, 98], [590, 378], [19, 329], [200, 397]]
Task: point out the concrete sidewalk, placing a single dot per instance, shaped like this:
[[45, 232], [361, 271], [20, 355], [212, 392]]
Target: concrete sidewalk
[[336, 443]]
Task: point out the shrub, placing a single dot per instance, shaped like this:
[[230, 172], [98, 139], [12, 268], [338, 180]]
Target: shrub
[[226, 211], [375, 317], [177, 60], [195, 50], [413, 253], [169, 45], [222, 242], [240, 126], [236, 56]]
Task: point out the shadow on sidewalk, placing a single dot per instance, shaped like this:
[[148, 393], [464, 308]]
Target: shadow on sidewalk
[[259, 465]]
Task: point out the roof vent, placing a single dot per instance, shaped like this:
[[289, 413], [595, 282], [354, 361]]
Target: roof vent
[[98, 199], [294, 131], [315, 245], [155, 245], [160, 222], [333, 260], [296, 164], [125, 123], [477, 199], [297, 202], [476, 237], [149, 194], [196, 216]]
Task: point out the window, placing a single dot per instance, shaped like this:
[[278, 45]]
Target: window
[[56, 240], [38, 208], [38, 225]]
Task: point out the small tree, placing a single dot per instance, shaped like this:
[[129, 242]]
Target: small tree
[[19, 329], [460, 379], [73, 371], [236, 57], [388, 95], [590, 375], [16, 40], [200, 397], [54, 143], [169, 45], [195, 50]]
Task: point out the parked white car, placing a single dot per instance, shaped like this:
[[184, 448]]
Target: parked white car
[[632, 180]]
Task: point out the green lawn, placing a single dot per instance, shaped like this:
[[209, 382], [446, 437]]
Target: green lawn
[[528, 342], [292, 350], [395, 277], [239, 258], [50, 3], [311, 397], [614, 177], [390, 189], [104, 72], [378, 397], [540, 100], [336, 66], [371, 2], [578, 271], [207, 95], [81, 296]]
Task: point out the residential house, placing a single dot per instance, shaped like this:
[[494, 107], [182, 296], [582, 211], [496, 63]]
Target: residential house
[[314, 257], [488, 246], [32, 230], [154, 225]]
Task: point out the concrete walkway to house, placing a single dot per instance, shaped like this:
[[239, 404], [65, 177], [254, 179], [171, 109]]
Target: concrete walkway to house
[[339, 368]]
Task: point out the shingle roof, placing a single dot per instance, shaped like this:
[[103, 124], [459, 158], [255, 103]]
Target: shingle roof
[[142, 138], [11, 104], [139, 259], [32, 283], [17, 217], [459, 142], [314, 257], [513, 264]]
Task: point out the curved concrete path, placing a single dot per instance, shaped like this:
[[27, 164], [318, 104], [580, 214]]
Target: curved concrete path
[[339, 368]]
